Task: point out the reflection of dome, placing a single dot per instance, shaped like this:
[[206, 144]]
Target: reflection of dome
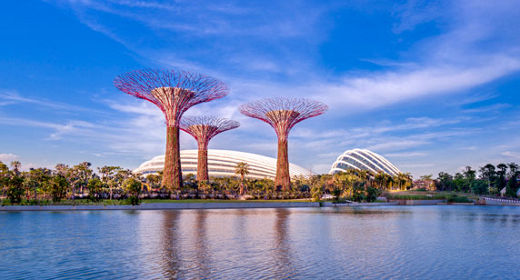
[[364, 160], [222, 163]]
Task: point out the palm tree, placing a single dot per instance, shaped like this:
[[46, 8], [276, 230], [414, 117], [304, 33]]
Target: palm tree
[[242, 169], [16, 165]]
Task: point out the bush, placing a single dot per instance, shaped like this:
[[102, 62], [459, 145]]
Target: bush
[[372, 194], [133, 187], [459, 199]]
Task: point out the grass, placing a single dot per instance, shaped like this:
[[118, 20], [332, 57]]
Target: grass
[[456, 197]]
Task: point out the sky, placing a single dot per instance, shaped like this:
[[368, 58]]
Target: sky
[[431, 85]]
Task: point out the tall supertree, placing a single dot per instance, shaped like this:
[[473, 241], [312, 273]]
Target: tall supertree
[[203, 128], [282, 114], [174, 92]]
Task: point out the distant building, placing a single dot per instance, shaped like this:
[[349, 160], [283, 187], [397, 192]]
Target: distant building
[[361, 159], [222, 163]]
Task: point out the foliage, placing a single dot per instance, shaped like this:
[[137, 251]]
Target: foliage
[[133, 188], [58, 188], [95, 189], [15, 189]]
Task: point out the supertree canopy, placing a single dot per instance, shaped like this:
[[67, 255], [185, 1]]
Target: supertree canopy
[[203, 128], [282, 114], [174, 92]]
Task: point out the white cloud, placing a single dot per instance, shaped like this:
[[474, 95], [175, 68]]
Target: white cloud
[[6, 158]]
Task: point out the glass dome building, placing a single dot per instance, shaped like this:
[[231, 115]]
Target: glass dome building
[[222, 163], [362, 159]]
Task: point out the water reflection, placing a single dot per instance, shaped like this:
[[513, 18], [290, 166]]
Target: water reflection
[[170, 244], [282, 244], [202, 251]]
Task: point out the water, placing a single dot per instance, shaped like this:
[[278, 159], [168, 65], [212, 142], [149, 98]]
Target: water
[[419, 242]]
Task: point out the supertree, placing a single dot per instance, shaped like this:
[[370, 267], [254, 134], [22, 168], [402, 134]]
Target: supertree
[[203, 128], [282, 114], [174, 92]]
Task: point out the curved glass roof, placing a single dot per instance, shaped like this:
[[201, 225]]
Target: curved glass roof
[[363, 159]]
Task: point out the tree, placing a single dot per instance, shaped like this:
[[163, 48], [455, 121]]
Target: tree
[[242, 169], [80, 175], [488, 173], [16, 165], [95, 189], [283, 114], [133, 187], [15, 189], [108, 177], [203, 129], [58, 187], [174, 92]]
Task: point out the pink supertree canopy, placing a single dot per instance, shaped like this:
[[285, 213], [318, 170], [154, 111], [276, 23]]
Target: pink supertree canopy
[[173, 91], [283, 113]]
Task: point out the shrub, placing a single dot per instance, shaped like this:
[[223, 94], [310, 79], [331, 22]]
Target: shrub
[[372, 194]]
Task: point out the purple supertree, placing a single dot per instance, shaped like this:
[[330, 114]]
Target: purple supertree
[[282, 114], [203, 128], [174, 92]]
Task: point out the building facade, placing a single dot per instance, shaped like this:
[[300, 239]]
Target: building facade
[[222, 163]]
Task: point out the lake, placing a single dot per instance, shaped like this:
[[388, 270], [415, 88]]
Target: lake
[[388, 242]]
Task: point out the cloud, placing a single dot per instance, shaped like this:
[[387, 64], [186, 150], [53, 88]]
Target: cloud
[[6, 158]]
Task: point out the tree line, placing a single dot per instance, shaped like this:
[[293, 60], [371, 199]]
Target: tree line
[[80, 182], [488, 180]]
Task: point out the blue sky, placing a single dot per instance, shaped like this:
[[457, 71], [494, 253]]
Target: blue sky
[[431, 85]]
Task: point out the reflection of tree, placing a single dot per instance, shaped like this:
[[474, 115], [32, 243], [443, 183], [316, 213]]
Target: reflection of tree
[[201, 245], [169, 243], [282, 247]]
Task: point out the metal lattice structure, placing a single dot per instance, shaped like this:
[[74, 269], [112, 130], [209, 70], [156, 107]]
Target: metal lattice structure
[[174, 92], [203, 129], [283, 114]]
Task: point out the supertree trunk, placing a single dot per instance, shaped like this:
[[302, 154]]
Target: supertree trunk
[[282, 178], [202, 162], [172, 177]]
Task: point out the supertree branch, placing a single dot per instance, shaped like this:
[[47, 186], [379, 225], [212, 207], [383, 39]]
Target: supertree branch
[[174, 92], [203, 129], [283, 114]]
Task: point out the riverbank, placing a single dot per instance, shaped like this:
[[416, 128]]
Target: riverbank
[[180, 205]]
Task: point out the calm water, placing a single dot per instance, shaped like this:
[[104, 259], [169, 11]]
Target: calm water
[[429, 242]]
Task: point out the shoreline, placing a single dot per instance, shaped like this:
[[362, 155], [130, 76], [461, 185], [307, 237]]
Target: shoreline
[[212, 205]]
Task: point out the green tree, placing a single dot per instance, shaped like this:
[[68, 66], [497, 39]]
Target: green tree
[[133, 187], [488, 174], [58, 187], [15, 189], [95, 189], [108, 178]]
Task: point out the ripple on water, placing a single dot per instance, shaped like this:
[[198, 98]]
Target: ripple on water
[[430, 242]]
